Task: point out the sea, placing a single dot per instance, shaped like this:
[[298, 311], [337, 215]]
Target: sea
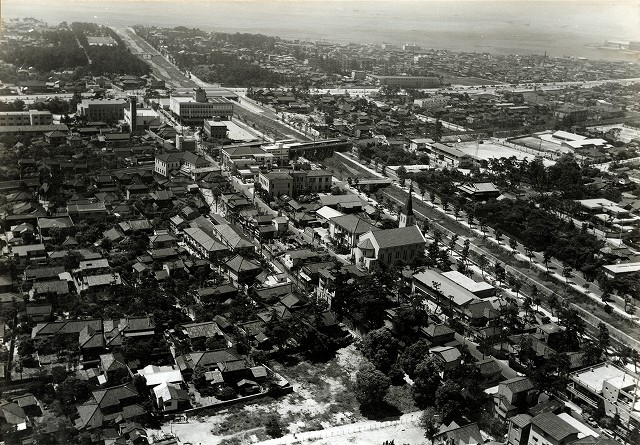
[[557, 28]]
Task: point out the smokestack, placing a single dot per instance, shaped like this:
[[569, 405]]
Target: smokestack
[[133, 109]]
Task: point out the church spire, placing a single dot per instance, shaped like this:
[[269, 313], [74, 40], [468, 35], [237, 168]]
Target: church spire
[[408, 207], [406, 216]]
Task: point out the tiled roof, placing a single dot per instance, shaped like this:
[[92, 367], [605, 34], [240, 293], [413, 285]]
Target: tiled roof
[[206, 241], [554, 426], [521, 420], [207, 329], [518, 384], [238, 264], [402, 236], [353, 224], [460, 435]]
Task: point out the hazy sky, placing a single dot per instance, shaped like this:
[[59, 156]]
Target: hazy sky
[[559, 27]]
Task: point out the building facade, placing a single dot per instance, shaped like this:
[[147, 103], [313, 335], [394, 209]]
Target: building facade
[[31, 117], [385, 246], [194, 110], [102, 109]]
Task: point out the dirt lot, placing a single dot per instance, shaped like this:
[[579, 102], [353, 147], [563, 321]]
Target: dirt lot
[[322, 400]]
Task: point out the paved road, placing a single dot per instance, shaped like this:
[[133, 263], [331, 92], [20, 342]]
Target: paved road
[[162, 68]]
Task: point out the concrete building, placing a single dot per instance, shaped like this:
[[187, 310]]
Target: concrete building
[[615, 387], [294, 182], [102, 109], [242, 156], [384, 246], [185, 161], [195, 109], [145, 118], [447, 156], [165, 162], [215, 129], [420, 144], [31, 117], [276, 183], [519, 428]]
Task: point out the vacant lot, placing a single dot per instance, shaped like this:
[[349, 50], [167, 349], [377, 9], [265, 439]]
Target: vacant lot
[[323, 398], [489, 150]]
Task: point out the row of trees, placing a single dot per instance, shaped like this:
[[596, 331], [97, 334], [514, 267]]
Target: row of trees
[[108, 59], [542, 231]]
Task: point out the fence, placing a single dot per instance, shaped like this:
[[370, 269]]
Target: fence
[[310, 436]]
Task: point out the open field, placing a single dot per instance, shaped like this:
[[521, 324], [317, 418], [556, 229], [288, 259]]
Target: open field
[[490, 150], [627, 134]]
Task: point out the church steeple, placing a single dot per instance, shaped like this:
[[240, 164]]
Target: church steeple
[[406, 216]]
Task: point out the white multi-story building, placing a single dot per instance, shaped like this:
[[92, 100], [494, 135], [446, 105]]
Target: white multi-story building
[[613, 387], [195, 109], [31, 117]]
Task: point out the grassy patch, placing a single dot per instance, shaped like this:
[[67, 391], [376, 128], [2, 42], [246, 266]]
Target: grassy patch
[[239, 421]]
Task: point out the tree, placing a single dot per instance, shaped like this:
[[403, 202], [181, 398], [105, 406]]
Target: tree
[[567, 272], [381, 348], [450, 402], [401, 172], [73, 391], [453, 241], [554, 303], [603, 337], [273, 426], [535, 296], [546, 257], [431, 422], [483, 262], [514, 245], [426, 382], [500, 272], [413, 356], [529, 253], [371, 385]]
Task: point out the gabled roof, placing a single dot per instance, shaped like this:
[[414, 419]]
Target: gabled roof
[[240, 264], [460, 435], [366, 244], [521, 420], [518, 384], [332, 200], [112, 362], [353, 224], [35, 273], [448, 353], [12, 413], [437, 330], [554, 426], [206, 241], [206, 358], [65, 327], [402, 236]]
